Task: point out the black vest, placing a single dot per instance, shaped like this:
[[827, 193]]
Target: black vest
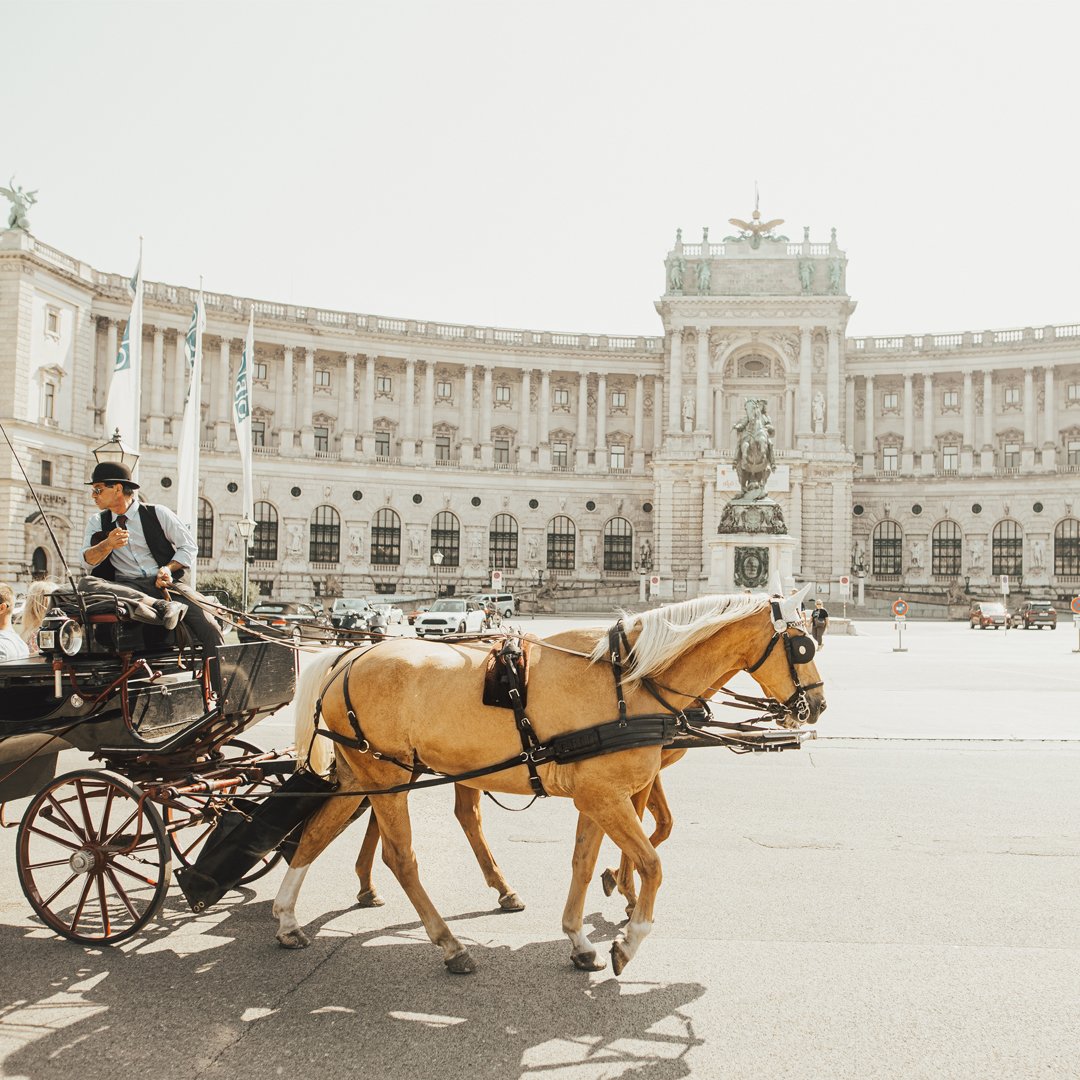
[[156, 541]]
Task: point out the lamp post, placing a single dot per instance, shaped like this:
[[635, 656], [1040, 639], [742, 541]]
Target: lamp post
[[246, 528], [437, 558], [116, 452]]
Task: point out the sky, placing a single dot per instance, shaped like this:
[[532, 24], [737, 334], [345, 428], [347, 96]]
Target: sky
[[526, 165]]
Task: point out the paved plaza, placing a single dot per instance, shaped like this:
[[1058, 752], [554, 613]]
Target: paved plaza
[[897, 899]]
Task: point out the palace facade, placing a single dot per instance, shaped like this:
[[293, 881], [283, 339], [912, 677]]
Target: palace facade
[[930, 464]]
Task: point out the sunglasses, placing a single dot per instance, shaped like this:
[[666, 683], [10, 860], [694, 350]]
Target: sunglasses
[[95, 491]]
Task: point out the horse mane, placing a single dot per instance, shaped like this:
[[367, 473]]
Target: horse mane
[[667, 633], [37, 607]]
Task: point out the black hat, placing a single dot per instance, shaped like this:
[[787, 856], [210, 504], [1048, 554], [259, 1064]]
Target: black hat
[[111, 472]]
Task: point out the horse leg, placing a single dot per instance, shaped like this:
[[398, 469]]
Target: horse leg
[[323, 826], [620, 821], [467, 811], [623, 878], [395, 828], [367, 897], [586, 849]]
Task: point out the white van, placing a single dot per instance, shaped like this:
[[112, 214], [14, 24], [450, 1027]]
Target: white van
[[503, 602]]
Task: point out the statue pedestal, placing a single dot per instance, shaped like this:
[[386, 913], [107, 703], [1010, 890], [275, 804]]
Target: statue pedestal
[[747, 560]]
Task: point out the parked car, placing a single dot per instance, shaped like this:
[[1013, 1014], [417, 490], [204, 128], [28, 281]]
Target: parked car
[[284, 619], [503, 602], [988, 615], [350, 614], [415, 614], [1038, 613], [392, 615], [450, 616]]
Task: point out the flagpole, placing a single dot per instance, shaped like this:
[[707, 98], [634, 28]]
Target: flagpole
[[242, 421]]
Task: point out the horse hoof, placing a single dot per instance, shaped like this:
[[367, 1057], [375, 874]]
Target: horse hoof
[[294, 939], [619, 957], [587, 961], [369, 898], [607, 879], [511, 902], [460, 964]]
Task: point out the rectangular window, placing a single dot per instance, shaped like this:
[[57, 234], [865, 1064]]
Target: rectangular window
[[950, 456], [950, 399], [890, 400], [502, 451], [559, 454], [618, 399], [322, 377], [52, 322], [890, 458], [258, 433], [444, 390], [322, 440], [48, 404], [260, 371], [384, 384], [1010, 457], [618, 457], [46, 473], [502, 393], [382, 443], [1072, 392], [442, 447], [1012, 395], [560, 397], [1072, 451]]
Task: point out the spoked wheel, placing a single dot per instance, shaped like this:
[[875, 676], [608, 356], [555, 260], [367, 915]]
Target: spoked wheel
[[188, 835], [93, 862]]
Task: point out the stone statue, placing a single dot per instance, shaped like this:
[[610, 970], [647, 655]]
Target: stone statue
[[646, 554], [1038, 554], [416, 543], [817, 409], [21, 201], [976, 554], [356, 544], [916, 555], [476, 546], [755, 229], [590, 550], [231, 540], [296, 539], [704, 276], [836, 268], [705, 234], [754, 449], [532, 549], [675, 273], [806, 274], [678, 236], [688, 412], [858, 557]]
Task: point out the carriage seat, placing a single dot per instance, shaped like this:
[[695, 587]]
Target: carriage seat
[[114, 628]]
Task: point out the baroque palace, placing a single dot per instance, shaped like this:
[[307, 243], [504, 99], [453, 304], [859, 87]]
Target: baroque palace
[[585, 464]]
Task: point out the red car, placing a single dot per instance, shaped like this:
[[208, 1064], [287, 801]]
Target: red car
[[988, 615]]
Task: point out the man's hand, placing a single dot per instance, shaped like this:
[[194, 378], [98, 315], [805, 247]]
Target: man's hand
[[118, 538], [164, 578]]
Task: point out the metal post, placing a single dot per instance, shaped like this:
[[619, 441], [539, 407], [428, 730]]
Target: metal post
[[246, 528]]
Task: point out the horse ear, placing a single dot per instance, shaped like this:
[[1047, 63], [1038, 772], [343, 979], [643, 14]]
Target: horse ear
[[792, 605]]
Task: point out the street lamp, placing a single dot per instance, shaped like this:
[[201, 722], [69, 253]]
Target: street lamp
[[437, 558], [116, 452], [246, 528]]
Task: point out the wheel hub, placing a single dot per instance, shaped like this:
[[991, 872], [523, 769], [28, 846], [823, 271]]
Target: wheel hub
[[83, 862]]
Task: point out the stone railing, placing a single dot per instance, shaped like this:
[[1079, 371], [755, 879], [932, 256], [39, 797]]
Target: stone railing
[[967, 339]]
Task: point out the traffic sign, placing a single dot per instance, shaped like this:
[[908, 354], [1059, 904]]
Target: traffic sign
[[496, 578], [1004, 584], [1075, 605], [900, 607], [654, 581], [845, 581]]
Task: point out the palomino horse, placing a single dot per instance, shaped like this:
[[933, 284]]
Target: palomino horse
[[407, 701]]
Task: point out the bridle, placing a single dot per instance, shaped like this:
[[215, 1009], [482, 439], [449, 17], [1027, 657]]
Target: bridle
[[800, 650]]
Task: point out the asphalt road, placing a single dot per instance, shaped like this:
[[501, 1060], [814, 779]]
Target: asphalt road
[[899, 898]]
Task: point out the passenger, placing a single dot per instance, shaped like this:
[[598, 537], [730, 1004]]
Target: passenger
[[144, 546], [12, 647]]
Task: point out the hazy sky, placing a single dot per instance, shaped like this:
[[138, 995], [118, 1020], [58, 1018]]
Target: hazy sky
[[526, 165]]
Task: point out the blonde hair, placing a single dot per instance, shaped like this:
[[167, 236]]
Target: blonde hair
[[7, 594]]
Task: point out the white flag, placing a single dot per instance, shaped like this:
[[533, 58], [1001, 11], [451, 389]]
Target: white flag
[[242, 416], [187, 487], [123, 409]]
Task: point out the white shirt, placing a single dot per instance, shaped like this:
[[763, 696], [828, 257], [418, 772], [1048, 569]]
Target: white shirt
[[135, 558], [12, 647]]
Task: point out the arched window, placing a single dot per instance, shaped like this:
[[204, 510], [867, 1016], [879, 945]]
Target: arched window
[[325, 535], [264, 542], [1067, 548], [39, 564], [503, 542], [446, 537], [561, 543], [386, 538], [618, 545], [946, 545], [204, 529], [888, 553], [1007, 549]]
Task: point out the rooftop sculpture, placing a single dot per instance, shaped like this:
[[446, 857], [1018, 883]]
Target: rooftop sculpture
[[21, 201]]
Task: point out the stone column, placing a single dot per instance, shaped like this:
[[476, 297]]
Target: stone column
[[658, 413], [869, 445], [708, 526], [806, 371], [525, 421], [966, 451], [287, 429], [582, 445], [486, 450], [907, 451], [427, 415], [112, 347], [179, 380], [1050, 432], [927, 422], [369, 395], [544, 421], [155, 428], [986, 454], [1031, 416], [832, 384], [224, 397], [348, 435], [637, 460], [849, 412], [702, 422], [307, 430], [601, 422], [789, 418], [467, 417], [675, 385], [407, 412]]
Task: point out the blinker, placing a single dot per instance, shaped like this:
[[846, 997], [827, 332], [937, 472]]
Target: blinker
[[802, 649]]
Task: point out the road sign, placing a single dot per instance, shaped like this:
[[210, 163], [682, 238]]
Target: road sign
[[900, 607], [654, 581], [1075, 605], [845, 581], [496, 579], [1004, 584]]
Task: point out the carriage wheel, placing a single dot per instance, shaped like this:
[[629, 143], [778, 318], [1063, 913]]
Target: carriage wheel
[[188, 836], [94, 864]]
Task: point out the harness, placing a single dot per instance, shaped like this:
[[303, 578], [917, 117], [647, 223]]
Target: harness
[[800, 650]]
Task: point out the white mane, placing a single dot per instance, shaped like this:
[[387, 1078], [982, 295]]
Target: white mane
[[668, 632]]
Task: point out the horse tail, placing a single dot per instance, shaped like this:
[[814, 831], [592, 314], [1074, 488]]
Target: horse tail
[[314, 753]]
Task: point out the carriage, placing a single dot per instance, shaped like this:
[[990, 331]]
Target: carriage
[[96, 847]]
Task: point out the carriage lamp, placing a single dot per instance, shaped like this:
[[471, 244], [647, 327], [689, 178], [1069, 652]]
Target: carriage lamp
[[70, 637], [117, 452]]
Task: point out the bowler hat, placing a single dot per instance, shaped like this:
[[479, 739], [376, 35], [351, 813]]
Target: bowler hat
[[111, 472]]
